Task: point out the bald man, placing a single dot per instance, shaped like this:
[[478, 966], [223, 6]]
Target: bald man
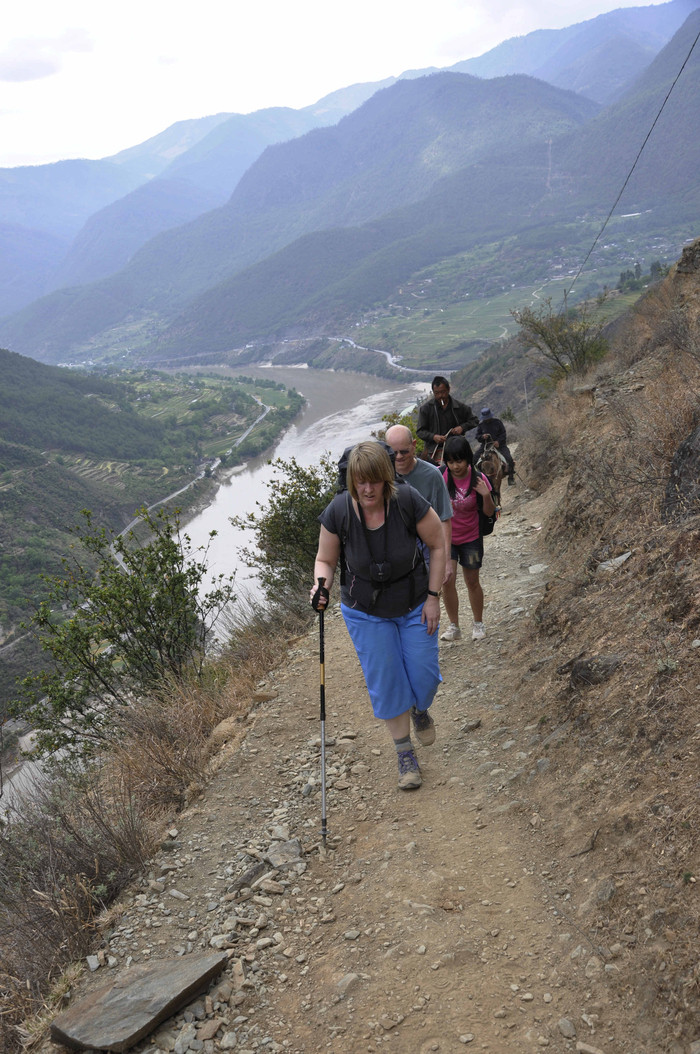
[[426, 478]]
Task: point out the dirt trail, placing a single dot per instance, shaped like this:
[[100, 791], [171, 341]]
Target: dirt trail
[[438, 919]]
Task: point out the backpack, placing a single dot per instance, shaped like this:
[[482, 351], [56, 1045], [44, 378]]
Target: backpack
[[342, 481], [486, 522], [405, 505]]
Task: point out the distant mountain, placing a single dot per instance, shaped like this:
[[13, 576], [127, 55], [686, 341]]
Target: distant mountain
[[149, 159], [598, 58], [27, 259], [199, 179], [57, 199], [53, 202], [330, 278], [394, 150], [334, 276], [668, 170], [47, 205], [219, 160], [111, 236], [387, 153]]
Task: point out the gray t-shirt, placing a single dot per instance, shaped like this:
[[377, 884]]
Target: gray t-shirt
[[394, 542], [428, 480]]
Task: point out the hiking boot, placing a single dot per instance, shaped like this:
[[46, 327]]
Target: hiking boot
[[511, 481], [424, 726], [478, 631], [453, 632], [409, 771]]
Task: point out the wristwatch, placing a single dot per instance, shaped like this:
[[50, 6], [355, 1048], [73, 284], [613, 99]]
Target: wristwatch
[[432, 593]]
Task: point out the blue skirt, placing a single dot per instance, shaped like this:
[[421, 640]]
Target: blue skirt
[[399, 659]]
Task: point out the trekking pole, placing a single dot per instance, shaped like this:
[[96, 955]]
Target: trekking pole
[[322, 592]]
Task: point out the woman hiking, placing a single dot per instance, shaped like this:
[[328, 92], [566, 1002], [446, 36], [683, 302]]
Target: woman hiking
[[389, 599]]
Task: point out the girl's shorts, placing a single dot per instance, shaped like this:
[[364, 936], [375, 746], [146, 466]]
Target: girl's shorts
[[469, 554]]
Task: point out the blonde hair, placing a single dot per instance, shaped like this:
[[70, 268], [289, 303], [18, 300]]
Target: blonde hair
[[369, 463]]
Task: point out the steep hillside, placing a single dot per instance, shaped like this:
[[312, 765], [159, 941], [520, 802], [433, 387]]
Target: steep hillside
[[667, 169], [71, 441], [44, 407], [617, 645], [111, 236]]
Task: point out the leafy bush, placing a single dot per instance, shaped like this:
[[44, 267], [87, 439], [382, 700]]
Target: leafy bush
[[286, 528], [132, 624], [409, 421], [570, 341]]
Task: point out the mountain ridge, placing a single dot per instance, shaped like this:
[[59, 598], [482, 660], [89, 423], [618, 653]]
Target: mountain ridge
[[625, 39], [431, 125], [286, 194]]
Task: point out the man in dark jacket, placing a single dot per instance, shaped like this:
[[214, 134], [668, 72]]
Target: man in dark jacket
[[494, 428], [441, 416]]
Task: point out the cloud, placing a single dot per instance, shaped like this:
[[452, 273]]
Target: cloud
[[34, 58]]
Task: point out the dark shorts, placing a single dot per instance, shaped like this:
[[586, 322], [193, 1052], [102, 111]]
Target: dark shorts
[[469, 554]]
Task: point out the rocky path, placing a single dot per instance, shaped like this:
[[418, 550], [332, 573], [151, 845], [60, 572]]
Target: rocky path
[[435, 920]]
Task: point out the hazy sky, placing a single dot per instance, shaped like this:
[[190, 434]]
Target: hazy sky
[[87, 78]]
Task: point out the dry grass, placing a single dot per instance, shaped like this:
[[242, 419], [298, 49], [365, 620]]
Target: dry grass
[[163, 751], [632, 754], [545, 449], [69, 849], [66, 851]]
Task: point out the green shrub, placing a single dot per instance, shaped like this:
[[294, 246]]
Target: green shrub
[[117, 632], [286, 528], [570, 341]]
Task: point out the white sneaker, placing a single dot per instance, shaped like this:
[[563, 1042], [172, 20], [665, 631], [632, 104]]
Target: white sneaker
[[478, 631], [453, 632]]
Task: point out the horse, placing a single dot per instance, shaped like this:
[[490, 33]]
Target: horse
[[493, 466]]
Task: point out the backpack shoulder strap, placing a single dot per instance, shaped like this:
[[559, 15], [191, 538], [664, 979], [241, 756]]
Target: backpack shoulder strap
[[343, 536], [405, 506]]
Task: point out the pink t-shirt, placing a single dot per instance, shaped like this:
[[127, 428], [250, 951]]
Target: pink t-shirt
[[465, 518]]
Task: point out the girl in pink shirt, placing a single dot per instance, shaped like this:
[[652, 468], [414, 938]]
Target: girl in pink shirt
[[464, 483]]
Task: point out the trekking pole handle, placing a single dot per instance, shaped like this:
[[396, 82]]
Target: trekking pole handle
[[320, 593]]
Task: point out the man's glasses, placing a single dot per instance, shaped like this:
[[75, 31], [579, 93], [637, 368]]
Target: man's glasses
[[406, 450]]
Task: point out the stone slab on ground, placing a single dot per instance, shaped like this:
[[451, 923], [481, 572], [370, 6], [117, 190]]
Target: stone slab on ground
[[118, 1015]]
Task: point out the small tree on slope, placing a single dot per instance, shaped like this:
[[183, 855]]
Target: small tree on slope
[[136, 621], [285, 529], [570, 341]]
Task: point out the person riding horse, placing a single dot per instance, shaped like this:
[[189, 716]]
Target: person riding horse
[[492, 428]]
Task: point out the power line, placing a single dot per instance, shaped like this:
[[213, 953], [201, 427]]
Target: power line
[[634, 165]]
